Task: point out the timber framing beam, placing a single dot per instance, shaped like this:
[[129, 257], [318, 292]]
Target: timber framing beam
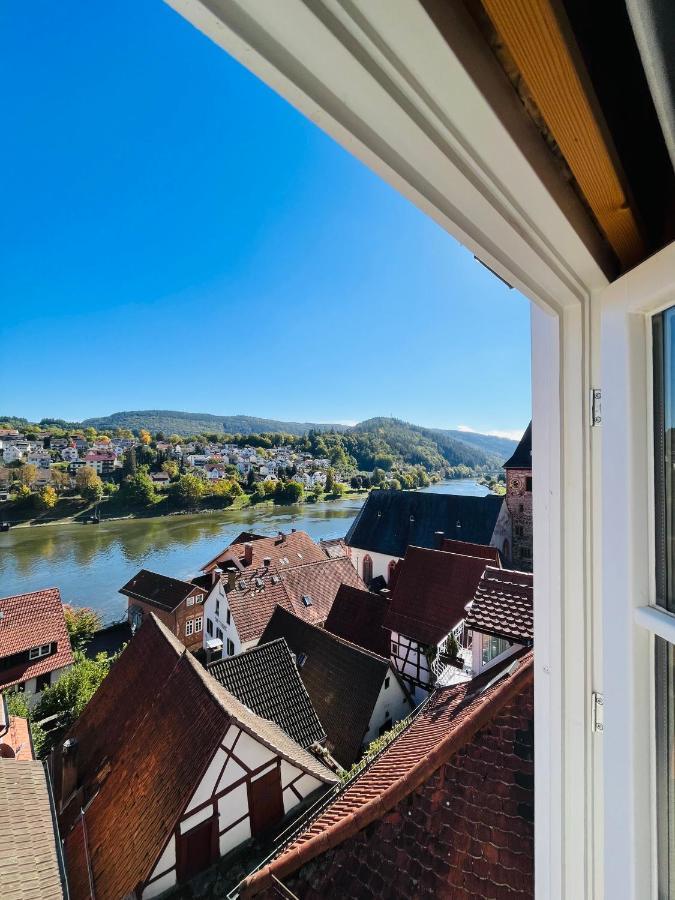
[[533, 35]]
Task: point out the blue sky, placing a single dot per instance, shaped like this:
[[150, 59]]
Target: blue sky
[[175, 236]]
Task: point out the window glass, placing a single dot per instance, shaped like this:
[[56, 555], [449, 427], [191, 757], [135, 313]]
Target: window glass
[[665, 765], [492, 647], [664, 456]]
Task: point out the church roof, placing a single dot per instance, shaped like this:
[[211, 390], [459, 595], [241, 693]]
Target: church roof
[[391, 521], [522, 455]]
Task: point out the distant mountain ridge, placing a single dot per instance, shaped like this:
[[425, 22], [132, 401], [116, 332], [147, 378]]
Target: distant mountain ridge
[[454, 447]]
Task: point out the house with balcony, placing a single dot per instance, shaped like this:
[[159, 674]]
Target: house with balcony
[[35, 647], [101, 461]]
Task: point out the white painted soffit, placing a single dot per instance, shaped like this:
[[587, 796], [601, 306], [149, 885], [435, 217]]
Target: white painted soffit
[[378, 76]]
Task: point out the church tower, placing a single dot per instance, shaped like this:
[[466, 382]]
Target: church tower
[[519, 501]]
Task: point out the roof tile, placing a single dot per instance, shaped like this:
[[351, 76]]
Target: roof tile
[[502, 605]]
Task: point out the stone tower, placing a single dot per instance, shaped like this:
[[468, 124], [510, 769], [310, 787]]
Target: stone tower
[[519, 501]]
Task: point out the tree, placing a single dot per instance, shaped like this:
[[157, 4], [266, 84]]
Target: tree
[[171, 468], [47, 497], [330, 481], [250, 479], [60, 479], [27, 474], [144, 436], [71, 693], [23, 494], [81, 622], [339, 489], [89, 485], [139, 489], [289, 492], [317, 491], [130, 463], [189, 490]]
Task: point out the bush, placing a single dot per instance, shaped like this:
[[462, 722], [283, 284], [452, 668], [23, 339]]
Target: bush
[[289, 492], [138, 489], [89, 485], [46, 498], [81, 622], [189, 490]]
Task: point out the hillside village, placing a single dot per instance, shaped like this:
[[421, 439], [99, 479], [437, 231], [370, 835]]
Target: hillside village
[[298, 719], [55, 472]]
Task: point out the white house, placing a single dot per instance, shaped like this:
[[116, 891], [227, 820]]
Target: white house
[[40, 458], [13, 452], [69, 454], [189, 802]]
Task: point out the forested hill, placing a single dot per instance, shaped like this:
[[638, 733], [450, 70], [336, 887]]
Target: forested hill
[[188, 424]]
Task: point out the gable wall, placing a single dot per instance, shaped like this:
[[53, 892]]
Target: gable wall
[[222, 793], [391, 705], [380, 562], [218, 593]]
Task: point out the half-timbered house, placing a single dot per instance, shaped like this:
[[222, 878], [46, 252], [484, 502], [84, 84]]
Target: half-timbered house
[[166, 771]]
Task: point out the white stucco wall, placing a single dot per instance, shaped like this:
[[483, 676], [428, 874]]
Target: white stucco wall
[[380, 562], [390, 700], [219, 594]]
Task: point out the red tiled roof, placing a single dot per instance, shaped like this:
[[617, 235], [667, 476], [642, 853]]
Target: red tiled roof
[[294, 549], [482, 551], [136, 744], [357, 616], [476, 816], [431, 591], [259, 591], [502, 605], [33, 620], [15, 742]]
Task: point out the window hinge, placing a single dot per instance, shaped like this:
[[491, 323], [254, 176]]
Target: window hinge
[[597, 712], [596, 407]]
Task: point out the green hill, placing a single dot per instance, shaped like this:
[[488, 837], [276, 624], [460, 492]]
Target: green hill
[[185, 423]]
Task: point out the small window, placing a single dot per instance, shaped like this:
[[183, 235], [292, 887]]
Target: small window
[[386, 682], [190, 601], [43, 681], [394, 649], [217, 607], [209, 627], [199, 598], [528, 484], [301, 660], [307, 600], [189, 626], [198, 624], [219, 634], [230, 648], [229, 617]]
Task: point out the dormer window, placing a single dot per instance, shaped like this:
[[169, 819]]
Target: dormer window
[[307, 600], [37, 652], [190, 601]]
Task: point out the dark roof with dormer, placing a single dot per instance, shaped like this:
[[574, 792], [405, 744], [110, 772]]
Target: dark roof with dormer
[[502, 606], [391, 521], [266, 680], [522, 455]]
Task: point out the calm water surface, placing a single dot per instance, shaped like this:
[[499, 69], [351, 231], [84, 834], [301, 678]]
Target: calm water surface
[[89, 563]]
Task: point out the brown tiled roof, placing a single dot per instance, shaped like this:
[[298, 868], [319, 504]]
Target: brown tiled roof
[[29, 867], [334, 547], [357, 616], [482, 551], [32, 620], [285, 551], [257, 592], [320, 582], [343, 681], [136, 743], [475, 819], [431, 592], [164, 592], [502, 605]]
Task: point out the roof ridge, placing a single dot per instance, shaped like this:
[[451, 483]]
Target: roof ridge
[[502, 692], [31, 593], [337, 637]]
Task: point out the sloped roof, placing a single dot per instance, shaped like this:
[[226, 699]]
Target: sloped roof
[[431, 592], [502, 605], [522, 455], [160, 590], [266, 680], [358, 616], [468, 549], [257, 592], [144, 740], [32, 620], [29, 865], [390, 521], [445, 728], [285, 550], [334, 547], [343, 681]]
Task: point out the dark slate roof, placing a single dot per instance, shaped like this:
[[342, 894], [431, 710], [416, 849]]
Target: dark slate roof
[[158, 589], [358, 616], [390, 521], [266, 680], [502, 606], [522, 455], [343, 681]]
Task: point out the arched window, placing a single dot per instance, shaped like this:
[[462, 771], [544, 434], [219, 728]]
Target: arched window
[[391, 571], [367, 569]]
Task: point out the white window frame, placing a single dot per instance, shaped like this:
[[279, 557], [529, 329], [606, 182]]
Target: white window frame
[[189, 627], [199, 624], [190, 601], [630, 618]]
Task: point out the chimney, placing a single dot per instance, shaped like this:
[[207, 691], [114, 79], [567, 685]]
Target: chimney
[[215, 574], [293, 530], [68, 770], [439, 537], [248, 553], [267, 562], [231, 577]]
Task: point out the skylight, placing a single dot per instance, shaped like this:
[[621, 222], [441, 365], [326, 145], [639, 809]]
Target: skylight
[[307, 600]]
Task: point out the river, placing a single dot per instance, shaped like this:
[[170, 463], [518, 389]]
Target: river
[[89, 563]]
